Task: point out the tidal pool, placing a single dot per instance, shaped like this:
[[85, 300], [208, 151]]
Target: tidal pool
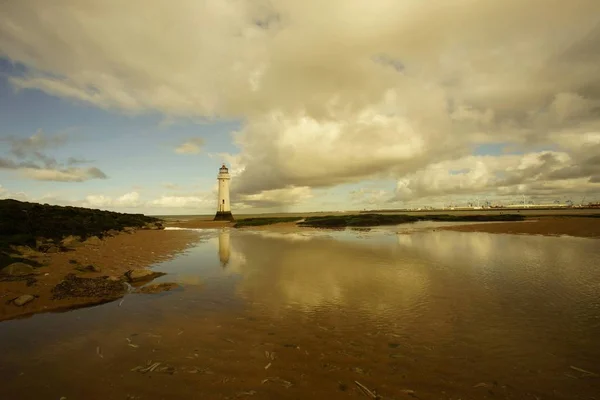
[[391, 313]]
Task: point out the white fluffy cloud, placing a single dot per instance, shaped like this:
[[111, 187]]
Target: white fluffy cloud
[[186, 202], [190, 146], [275, 197], [338, 91], [128, 200]]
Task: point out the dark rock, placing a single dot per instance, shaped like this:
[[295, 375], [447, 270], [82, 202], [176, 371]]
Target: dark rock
[[93, 240], [24, 251], [137, 275], [153, 226], [157, 288], [41, 226], [22, 300], [50, 248], [18, 269], [71, 241], [87, 268], [73, 286]]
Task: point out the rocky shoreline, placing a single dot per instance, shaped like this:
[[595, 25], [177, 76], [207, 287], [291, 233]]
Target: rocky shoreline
[[92, 257]]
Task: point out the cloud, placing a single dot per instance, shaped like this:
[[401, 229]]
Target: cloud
[[171, 186], [274, 198], [30, 160], [183, 202], [547, 174], [337, 92], [369, 196], [63, 175], [128, 200], [35, 144], [191, 146]]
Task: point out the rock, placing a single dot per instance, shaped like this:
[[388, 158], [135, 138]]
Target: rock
[[137, 275], [74, 286], [42, 243], [129, 229], [93, 240], [87, 268], [18, 269], [153, 226], [157, 288], [114, 279], [22, 300], [25, 251], [71, 241], [111, 232], [50, 248]]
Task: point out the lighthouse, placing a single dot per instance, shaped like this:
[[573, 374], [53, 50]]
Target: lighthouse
[[223, 206]]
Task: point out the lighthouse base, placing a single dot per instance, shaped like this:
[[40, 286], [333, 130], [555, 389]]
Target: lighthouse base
[[224, 216]]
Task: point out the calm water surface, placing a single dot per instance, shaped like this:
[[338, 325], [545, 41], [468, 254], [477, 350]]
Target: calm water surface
[[264, 315]]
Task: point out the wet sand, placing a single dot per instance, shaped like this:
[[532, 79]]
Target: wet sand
[[546, 226], [113, 256]]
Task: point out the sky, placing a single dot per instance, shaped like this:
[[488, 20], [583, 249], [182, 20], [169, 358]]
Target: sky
[[314, 106]]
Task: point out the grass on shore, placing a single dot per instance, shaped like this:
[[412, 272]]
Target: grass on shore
[[338, 221], [260, 221]]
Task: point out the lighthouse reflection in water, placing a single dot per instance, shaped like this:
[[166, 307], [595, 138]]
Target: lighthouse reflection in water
[[224, 247]]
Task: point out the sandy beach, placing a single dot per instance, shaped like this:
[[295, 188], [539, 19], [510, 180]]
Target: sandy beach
[[546, 226], [112, 256]]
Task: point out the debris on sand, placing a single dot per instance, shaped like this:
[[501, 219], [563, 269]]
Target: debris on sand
[[157, 288], [583, 371], [366, 391], [276, 379], [74, 286], [152, 367], [246, 393]]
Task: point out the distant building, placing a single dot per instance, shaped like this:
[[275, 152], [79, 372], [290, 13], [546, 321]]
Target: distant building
[[223, 206]]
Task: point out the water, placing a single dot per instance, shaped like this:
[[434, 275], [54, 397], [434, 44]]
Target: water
[[403, 311]]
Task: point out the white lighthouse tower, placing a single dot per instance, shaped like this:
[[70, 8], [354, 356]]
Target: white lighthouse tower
[[223, 207]]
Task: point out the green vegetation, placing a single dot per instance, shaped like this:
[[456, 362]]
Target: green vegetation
[[340, 221], [264, 221], [21, 223], [361, 220], [472, 218]]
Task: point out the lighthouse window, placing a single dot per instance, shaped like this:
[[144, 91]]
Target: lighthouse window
[[223, 201]]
